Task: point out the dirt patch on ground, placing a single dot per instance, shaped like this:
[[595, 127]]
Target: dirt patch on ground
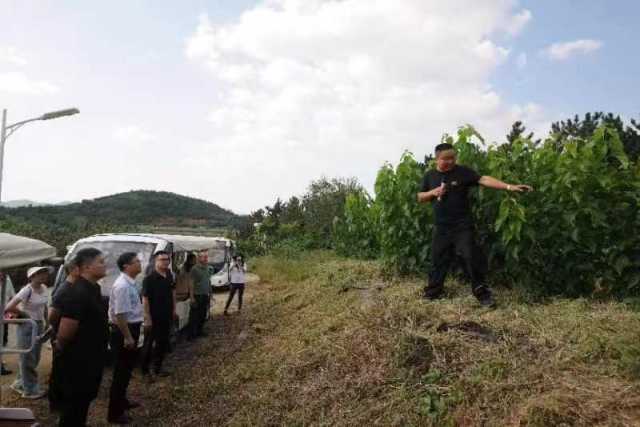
[[471, 329]]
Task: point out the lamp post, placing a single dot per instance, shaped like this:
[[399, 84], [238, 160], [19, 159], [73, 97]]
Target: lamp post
[[7, 130]]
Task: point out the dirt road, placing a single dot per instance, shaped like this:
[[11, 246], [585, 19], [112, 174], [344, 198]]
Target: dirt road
[[186, 363]]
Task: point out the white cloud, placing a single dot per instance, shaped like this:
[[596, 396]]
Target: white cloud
[[521, 61], [518, 22], [132, 134], [307, 88], [565, 50], [19, 83], [10, 55]]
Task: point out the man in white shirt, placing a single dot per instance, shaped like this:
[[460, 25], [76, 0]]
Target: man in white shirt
[[125, 318]]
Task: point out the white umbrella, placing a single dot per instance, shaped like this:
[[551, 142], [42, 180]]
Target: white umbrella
[[17, 250]]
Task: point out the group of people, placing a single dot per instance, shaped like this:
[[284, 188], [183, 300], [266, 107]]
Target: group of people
[[81, 329]]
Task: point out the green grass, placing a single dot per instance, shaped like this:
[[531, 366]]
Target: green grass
[[342, 346], [327, 341]]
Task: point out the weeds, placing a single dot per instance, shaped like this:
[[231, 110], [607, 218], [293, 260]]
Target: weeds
[[327, 341]]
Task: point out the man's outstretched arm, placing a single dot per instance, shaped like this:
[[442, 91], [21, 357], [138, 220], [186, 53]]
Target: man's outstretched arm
[[491, 182]]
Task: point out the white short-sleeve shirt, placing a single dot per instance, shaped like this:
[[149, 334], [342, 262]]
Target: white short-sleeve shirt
[[237, 273], [33, 301], [125, 299]]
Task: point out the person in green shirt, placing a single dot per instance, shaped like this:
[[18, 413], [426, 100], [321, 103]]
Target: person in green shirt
[[201, 293]]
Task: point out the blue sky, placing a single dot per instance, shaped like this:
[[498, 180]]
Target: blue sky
[[607, 80], [240, 102]]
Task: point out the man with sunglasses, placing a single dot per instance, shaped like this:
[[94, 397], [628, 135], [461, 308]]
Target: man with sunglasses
[[159, 303]]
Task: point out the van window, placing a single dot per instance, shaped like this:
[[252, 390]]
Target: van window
[[217, 255], [112, 250]]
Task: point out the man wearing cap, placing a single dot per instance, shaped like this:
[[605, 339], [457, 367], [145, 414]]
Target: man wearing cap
[[30, 303], [125, 317]]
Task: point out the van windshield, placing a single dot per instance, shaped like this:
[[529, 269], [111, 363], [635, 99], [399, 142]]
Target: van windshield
[[217, 255], [112, 250]]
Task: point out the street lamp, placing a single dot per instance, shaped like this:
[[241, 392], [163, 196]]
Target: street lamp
[[7, 130]]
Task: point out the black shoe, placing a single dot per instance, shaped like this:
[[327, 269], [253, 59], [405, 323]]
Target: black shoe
[[132, 404], [5, 371], [162, 373], [487, 301], [122, 419], [430, 297], [146, 376]]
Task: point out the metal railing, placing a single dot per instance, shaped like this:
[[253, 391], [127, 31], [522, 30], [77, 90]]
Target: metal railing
[[14, 416]]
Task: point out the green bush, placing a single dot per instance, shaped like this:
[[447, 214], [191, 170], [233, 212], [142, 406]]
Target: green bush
[[356, 234], [576, 234]]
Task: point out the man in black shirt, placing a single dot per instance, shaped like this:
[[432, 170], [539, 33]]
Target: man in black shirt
[[81, 339], [55, 380], [447, 187], [159, 303]]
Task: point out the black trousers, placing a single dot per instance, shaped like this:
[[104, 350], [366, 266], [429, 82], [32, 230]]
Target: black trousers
[[448, 242], [156, 345], [73, 413], [198, 315], [54, 393], [124, 362], [239, 287]]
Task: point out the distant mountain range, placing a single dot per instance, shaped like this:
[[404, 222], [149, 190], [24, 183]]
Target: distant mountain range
[[158, 208], [23, 203], [134, 211]]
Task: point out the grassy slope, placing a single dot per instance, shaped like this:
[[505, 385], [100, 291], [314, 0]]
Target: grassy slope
[[328, 341], [332, 343]]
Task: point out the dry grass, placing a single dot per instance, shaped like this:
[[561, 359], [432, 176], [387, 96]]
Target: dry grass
[[343, 347], [327, 341]]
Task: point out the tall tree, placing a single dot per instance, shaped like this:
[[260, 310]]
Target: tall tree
[[584, 128], [517, 131], [323, 203]]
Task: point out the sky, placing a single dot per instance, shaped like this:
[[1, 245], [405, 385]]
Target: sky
[[240, 102]]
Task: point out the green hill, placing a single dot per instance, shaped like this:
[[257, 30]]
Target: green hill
[[132, 208], [140, 210]]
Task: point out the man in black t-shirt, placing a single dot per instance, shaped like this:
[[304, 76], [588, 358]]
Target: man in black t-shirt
[[159, 303], [81, 339], [447, 187], [58, 300]]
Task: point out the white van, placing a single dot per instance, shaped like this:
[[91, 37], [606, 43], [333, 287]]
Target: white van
[[145, 245]]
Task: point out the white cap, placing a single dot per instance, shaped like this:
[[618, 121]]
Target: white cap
[[36, 270]]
